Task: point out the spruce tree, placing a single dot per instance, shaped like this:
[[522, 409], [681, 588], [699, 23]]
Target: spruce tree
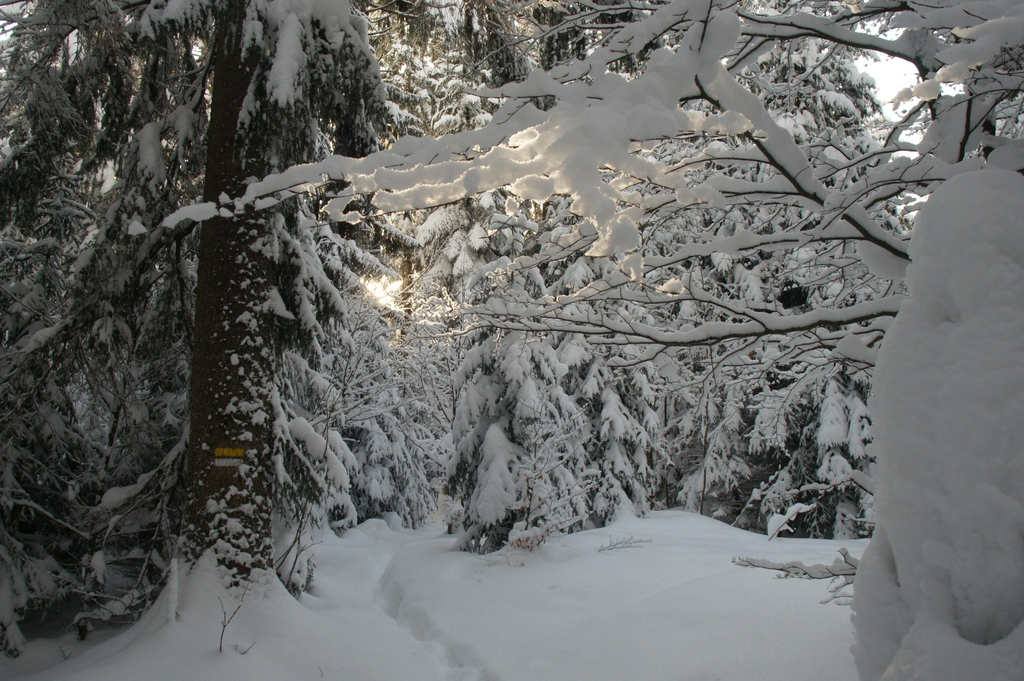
[[120, 117]]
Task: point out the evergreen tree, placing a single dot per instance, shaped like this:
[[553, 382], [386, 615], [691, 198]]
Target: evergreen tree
[[120, 116], [517, 464], [549, 432], [820, 460], [90, 292], [612, 386], [816, 92]]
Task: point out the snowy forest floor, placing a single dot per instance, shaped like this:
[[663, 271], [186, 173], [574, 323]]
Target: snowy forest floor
[[398, 605]]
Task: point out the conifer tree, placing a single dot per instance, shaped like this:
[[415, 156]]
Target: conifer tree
[[111, 139], [612, 387]]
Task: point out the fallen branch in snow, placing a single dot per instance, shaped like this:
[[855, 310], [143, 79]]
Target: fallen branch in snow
[[842, 573], [630, 542], [844, 566]]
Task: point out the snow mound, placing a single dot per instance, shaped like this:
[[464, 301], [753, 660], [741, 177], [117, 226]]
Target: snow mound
[[940, 594]]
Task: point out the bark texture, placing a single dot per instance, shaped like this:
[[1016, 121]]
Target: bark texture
[[228, 508]]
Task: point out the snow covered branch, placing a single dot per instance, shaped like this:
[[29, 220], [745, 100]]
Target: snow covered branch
[[844, 566], [842, 572]]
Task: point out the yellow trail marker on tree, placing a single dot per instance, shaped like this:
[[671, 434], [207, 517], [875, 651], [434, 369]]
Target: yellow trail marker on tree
[[228, 456]]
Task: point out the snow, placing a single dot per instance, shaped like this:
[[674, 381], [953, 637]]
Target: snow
[[288, 61], [151, 161], [115, 496], [852, 348], [941, 594], [197, 212], [99, 565], [402, 605], [497, 490]]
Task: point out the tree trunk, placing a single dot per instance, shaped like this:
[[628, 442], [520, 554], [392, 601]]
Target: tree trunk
[[228, 506]]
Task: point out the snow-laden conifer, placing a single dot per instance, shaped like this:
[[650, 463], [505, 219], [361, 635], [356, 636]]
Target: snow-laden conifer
[[108, 112]]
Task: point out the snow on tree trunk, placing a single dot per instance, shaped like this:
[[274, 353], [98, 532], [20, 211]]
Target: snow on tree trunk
[[228, 508], [940, 594]]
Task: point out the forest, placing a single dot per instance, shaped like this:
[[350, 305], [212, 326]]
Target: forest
[[279, 270]]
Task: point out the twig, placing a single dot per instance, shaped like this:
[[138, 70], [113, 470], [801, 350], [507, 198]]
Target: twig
[[225, 620], [243, 652], [629, 542]]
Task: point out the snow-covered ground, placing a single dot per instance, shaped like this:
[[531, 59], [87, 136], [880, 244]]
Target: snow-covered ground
[[399, 605]]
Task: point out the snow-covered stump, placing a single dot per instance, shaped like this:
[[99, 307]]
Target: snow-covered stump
[[940, 591]]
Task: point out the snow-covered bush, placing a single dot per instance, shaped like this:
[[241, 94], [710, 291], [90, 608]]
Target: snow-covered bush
[[940, 591]]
